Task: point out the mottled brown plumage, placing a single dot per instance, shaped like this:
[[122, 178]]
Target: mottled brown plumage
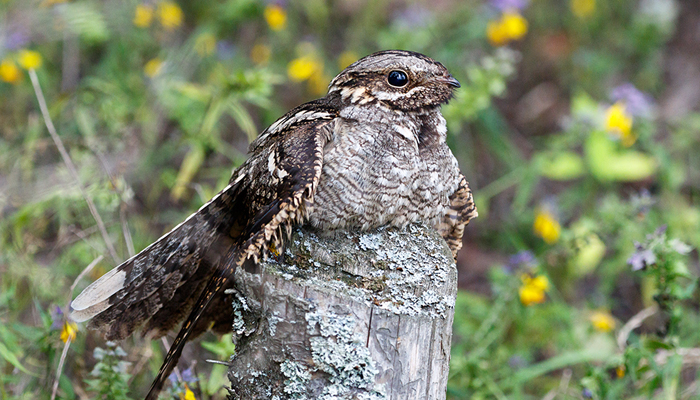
[[370, 153]]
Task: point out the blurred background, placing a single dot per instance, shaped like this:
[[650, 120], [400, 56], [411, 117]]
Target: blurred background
[[577, 126]]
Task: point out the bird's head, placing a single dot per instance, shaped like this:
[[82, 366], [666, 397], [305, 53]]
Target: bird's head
[[402, 80]]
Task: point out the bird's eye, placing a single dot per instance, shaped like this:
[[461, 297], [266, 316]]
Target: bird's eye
[[397, 78]]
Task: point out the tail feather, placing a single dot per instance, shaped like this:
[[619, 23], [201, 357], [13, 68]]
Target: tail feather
[[135, 291], [175, 310], [214, 287]]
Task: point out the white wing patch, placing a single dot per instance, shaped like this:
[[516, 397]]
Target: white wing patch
[[86, 314], [95, 298], [100, 290]]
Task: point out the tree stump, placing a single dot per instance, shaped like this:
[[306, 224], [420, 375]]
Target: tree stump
[[351, 316]]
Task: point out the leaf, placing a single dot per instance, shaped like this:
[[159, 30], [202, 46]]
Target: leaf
[[560, 166], [558, 362], [589, 255], [193, 91], [84, 20], [190, 165], [242, 118], [688, 291], [223, 348], [211, 118], [583, 107], [679, 268], [217, 379], [607, 163], [12, 358]]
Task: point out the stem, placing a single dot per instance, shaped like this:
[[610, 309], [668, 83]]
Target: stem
[[60, 365], [69, 163], [502, 183]]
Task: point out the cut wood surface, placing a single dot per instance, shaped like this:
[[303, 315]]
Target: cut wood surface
[[349, 316]]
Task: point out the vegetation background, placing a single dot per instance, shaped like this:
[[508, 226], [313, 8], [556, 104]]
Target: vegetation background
[[577, 125]]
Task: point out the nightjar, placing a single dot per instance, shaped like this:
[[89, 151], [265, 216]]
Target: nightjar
[[372, 152]]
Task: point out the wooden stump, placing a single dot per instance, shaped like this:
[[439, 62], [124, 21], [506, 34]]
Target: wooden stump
[[353, 316]]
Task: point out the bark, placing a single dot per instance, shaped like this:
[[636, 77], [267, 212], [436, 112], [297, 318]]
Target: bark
[[352, 316]]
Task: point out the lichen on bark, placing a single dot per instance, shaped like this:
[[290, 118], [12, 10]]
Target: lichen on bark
[[346, 315]]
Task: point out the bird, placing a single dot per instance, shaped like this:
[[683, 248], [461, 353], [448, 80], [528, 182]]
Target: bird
[[372, 152]]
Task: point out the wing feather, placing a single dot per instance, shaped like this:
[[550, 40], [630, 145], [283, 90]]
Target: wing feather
[[460, 211], [268, 194], [127, 296], [278, 191]]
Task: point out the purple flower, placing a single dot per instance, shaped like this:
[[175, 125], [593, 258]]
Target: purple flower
[[658, 232], [641, 258], [523, 257], [638, 103], [188, 376], [16, 40], [57, 318], [503, 5], [225, 50], [642, 202]]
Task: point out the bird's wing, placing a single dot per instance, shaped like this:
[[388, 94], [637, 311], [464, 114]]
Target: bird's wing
[[155, 279], [265, 197], [459, 212], [280, 195]]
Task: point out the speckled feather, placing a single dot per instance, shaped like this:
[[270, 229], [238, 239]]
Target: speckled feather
[[367, 154]]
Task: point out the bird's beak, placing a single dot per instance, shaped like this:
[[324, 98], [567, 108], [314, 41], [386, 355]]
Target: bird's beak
[[450, 80]]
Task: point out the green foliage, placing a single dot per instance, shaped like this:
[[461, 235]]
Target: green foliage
[[110, 374], [579, 140]]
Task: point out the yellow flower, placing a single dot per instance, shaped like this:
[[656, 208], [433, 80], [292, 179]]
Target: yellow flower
[[583, 8], [620, 371], [346, 58], [9, 72], [602, 321], [29, 59], [143, 16], [275, 16], [533, 290], [153, 67], [540, 282], [205, 44], [170, 15], [496, 34], [302, 68], [188, 395], [511, 26], [514, 24], [260, 53], [618, 122], [546, 227], [69, 331]]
